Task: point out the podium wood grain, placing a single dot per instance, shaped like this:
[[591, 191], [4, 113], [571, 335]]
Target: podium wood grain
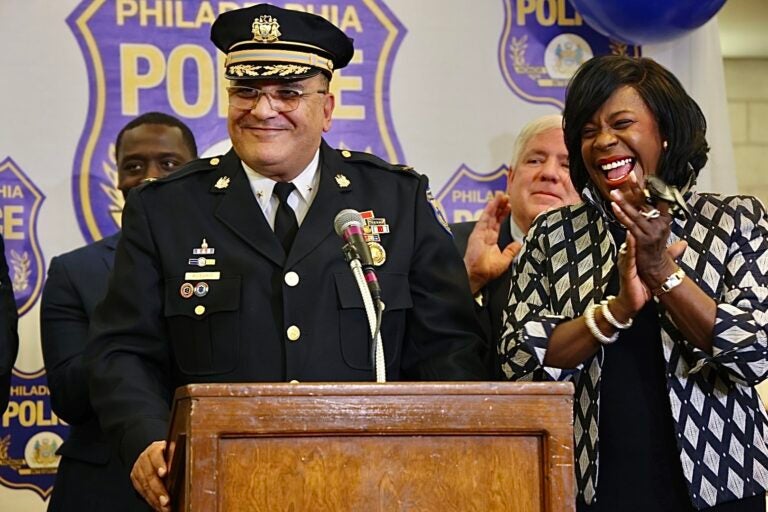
[[373, 447]]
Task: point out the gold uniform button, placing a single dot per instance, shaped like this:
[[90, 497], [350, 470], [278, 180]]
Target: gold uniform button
[[199, 310], [294, 381], [346, 154], [291, 278], [293, 333], [214, 161]]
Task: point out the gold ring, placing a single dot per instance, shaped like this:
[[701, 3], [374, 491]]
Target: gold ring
[[623, 248]]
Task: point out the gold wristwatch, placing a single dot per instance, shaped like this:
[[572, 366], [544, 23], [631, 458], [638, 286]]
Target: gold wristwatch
[[674, 279]]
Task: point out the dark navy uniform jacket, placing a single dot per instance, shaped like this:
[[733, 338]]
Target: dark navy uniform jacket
[[90, 475], [147, 338]]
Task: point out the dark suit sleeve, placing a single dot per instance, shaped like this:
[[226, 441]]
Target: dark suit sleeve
[[444, 334], [128, 356], [461, 232], [64, 334], [9, 338], [483, 309]]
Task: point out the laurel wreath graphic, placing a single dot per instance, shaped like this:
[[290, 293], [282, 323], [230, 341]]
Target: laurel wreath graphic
[[21, 271], [276, 69], [115, 197], [517, 50], [5, 459]]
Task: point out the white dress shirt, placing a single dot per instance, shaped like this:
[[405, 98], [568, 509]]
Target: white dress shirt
[[300, 199]]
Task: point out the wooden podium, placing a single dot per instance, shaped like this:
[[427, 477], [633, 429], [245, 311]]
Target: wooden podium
[[336, 447]]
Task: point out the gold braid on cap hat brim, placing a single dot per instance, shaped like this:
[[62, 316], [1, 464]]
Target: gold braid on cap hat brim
[[254, 71], [250, 60]]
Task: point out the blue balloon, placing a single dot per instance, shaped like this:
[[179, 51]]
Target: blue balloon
[[646, 21]]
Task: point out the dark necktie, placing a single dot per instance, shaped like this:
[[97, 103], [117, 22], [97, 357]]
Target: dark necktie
[[285, 219]]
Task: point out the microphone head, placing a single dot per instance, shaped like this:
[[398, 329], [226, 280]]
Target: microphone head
[[346, 218]]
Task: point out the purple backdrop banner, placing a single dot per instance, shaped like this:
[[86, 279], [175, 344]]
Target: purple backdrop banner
[[156, 55], [466, 192], [20, 202], [30, 434], [542, 45]]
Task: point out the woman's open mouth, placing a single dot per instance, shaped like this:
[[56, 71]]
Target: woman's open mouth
[[617, 171]]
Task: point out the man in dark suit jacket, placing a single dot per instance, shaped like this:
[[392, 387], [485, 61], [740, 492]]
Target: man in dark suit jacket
[[230, 270], [9, 338], [90, 476], [538, 180]]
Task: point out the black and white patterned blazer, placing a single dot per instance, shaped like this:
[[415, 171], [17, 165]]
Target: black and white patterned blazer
[[720, 424]]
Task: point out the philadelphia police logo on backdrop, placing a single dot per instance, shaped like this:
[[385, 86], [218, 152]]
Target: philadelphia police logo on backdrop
[[30, 434], [156, 56], [466, 192], [20, 202], [542, 45]]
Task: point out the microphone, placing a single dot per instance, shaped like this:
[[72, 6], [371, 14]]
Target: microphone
[[348, 224]]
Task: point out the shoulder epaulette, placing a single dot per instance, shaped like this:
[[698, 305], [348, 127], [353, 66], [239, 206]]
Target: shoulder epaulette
[[361, 156], [195, 166]]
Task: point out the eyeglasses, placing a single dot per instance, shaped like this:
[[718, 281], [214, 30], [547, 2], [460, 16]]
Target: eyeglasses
[[280, 100]]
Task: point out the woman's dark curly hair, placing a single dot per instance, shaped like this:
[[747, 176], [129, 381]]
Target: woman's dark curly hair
[[680, 120]]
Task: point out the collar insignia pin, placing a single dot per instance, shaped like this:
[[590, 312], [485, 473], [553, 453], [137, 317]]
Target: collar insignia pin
[[222, 183], [342, 181]]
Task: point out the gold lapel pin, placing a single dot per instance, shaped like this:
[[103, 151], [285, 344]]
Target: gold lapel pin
[[342, 181], [222, 183]]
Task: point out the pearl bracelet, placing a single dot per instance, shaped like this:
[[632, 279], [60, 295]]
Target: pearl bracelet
[[612, 319], [589, 318]]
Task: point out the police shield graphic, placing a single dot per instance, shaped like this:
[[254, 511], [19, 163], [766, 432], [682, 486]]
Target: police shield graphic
[[542, 45], [466, 192], [156, 56], [20, 205], [30, 434]]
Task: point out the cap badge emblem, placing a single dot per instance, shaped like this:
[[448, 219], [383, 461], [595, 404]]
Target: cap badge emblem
[[265, 29]]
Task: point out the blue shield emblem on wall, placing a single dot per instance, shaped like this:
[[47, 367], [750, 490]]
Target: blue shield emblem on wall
[[30, 434], [19, 206], [466, 192], [542, 46], [178, 71]]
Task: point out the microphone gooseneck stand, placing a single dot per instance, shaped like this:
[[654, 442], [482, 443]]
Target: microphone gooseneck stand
[[374, 314], [348, 224]]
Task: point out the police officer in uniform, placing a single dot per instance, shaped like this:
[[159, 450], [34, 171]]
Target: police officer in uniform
[[230, 270]]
